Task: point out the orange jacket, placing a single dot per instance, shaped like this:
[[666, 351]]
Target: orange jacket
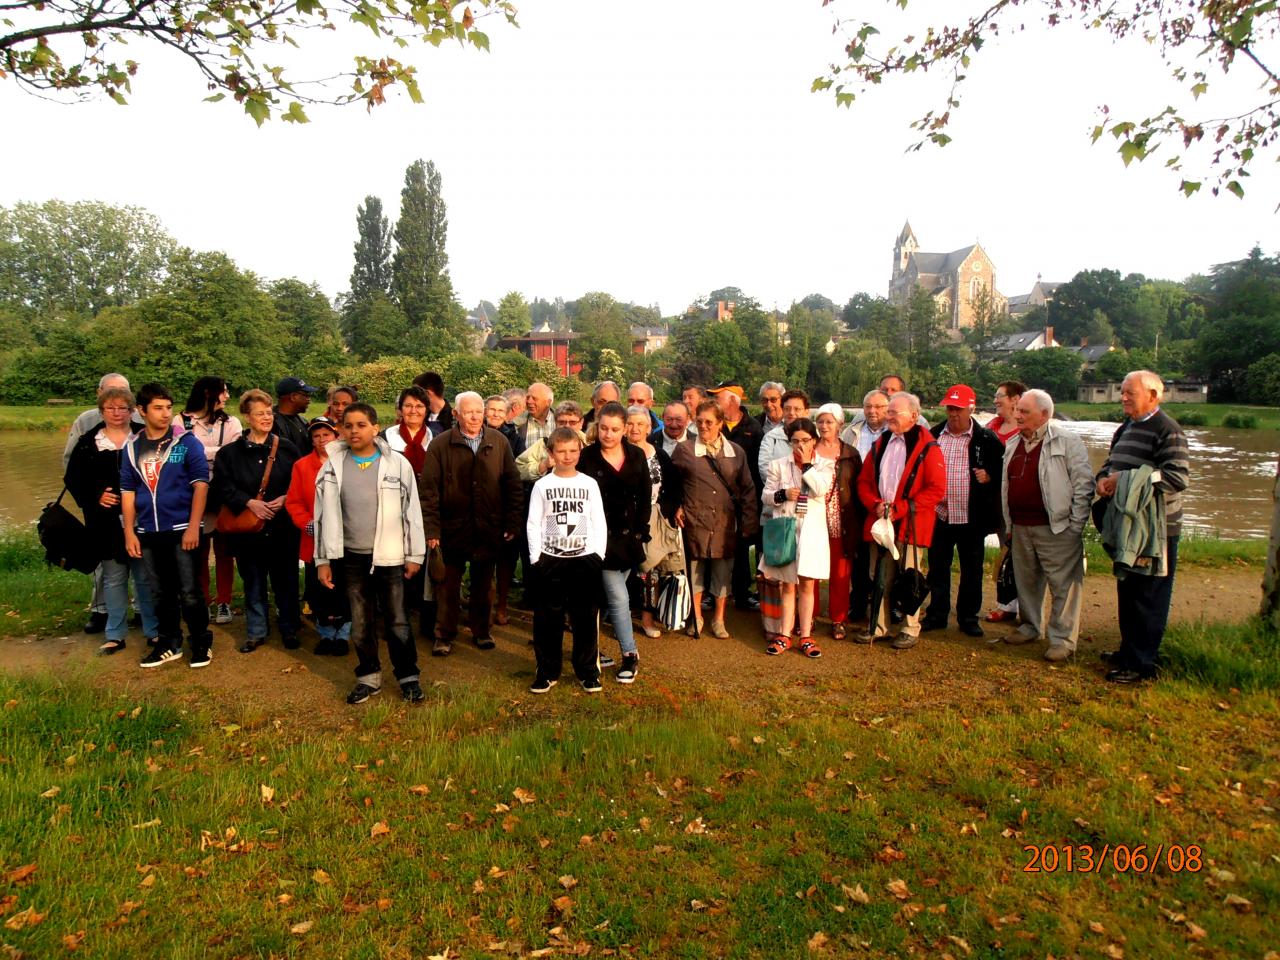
[[301, 500]]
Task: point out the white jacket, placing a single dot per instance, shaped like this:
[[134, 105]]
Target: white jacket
[[397, 530], [813, 546]]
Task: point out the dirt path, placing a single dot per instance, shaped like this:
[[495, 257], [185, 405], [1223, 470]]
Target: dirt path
[[943, 668]]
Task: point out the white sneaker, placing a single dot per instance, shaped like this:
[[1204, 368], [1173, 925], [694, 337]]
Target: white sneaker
[[224, 613]]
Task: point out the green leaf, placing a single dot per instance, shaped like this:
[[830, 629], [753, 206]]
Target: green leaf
[[257, 108], [295, 114], [215, 98], [1131, 150], [1189, 187], [1234, 187], [1198, 89], [480, 40]]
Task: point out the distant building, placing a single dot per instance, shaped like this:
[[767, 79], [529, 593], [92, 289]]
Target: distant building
[[648, 339], [1039, 296], [1175, 391], [1010, 343], [1091, 354], [546, 344], [955, 280]]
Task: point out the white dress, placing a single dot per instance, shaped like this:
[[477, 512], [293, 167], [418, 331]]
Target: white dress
[[813, 548]]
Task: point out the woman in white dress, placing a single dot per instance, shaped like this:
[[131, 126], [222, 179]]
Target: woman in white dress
[[796, 486]]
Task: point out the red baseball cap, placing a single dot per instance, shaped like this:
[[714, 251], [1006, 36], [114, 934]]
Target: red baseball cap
[[960, 396]]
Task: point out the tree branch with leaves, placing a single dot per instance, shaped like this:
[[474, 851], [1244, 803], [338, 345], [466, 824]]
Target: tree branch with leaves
[[1190, 35], [78, 46]]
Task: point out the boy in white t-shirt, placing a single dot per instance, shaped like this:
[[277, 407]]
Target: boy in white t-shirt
[[567, 539]]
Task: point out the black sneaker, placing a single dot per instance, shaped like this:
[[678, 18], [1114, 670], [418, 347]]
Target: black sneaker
[[361, 693], [159, 656], [540, 685], [200, 657], [291, 642], [630, 667], [605, 662], [592, 686], [411, 692], [96, 623], [484, 643]]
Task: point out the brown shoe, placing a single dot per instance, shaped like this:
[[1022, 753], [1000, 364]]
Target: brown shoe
[[441, 647], [501, 618]]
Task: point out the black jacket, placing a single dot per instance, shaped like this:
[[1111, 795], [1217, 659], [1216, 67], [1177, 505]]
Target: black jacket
[[509, 431], [626, 495], [986, 452], [291, 427], [91, 471], [239, 475], [747, 434]]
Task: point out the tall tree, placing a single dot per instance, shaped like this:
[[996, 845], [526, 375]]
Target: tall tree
[[58, 257], [372, 270], [600, 323], [420, 268], [513, 318]]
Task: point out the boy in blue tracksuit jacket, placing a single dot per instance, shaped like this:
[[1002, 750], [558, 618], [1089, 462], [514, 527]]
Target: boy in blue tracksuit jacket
[[164, 481]]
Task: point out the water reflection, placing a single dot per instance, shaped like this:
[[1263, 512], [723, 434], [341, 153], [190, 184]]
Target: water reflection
[[1232, 473]]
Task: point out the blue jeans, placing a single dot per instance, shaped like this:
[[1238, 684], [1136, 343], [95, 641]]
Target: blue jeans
[[271, 558], [619, 603], [115, 593]]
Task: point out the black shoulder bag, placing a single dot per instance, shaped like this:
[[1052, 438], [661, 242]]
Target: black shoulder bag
[[63, 536], [910, 588]]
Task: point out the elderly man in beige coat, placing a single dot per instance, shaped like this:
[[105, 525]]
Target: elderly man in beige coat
[[1047, 487]]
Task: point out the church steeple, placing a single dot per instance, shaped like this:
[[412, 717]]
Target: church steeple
[[905, 245]]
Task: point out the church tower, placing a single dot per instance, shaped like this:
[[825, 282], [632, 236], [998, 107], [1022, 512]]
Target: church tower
[[903, 248]]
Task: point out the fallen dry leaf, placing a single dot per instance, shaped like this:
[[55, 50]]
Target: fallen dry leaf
[[20, 874], [1096, 927], [51, 793], [298, 929], [148, 881], [695, 826], [1238, 903], [378, 829], [1114, 951], [268, 793], [72, 941], [962, 944], [321, 877], [563, 905], [284, 899], [24, 918], [420, 789], [817, 941], [697, 905], [1195, 932], [523, 795], [899, 889], [855, 893], [568, 881], [149, 823]]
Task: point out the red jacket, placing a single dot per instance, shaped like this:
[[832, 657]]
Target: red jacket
[[301, 501], [928, 490]]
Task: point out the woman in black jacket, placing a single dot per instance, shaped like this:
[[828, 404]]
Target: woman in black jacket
[[623, 476], [272, 552], [93, 480]]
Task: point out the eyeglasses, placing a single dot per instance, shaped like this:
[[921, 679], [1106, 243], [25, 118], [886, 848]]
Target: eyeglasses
[[115, 409], [801, 441], [707, 423]]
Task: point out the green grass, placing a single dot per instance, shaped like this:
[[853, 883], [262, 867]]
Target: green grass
[[708, 826], [1187, 414], [1203, 552], [40, 418], [1241, 656], [36, 599]]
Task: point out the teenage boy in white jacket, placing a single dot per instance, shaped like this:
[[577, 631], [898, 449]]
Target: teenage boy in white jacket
[[367, 518]]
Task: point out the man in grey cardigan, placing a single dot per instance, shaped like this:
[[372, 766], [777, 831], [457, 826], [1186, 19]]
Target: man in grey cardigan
[[1047, 487]]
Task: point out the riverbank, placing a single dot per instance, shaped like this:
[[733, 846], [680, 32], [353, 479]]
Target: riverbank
[[1190, 414]]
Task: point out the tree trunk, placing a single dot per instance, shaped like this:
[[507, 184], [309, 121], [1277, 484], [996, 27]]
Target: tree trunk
[[1271, 579]]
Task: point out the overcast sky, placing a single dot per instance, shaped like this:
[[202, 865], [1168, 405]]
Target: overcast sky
[[658, 150]]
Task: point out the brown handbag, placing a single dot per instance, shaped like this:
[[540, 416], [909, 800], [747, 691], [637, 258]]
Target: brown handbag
[[228, 521]]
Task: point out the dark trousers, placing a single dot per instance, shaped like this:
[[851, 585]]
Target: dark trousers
[[270, 557], [378, 594], [414, 589], [175, 589], [1143, 613], [566, 586], [329, 607], [965, 539], [860, 582], [478, 608]]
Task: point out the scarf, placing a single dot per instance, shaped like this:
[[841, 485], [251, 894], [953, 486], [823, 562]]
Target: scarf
[[414, 451]]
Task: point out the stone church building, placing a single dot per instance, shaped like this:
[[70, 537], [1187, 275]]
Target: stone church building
[[955, 280]]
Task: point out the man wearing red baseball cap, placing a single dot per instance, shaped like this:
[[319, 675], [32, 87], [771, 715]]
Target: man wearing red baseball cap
[[970, 510]]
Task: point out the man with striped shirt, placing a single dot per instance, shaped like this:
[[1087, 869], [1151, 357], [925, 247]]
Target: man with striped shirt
[[1148, 437]]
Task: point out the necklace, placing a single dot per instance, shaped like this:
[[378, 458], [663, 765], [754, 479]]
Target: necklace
[[364, 462]]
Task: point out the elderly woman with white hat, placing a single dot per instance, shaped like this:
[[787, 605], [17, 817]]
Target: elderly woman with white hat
[[844, 512]]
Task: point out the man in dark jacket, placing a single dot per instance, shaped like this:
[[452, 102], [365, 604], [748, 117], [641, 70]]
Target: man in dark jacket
[[293, 396], [970, 510], [745, 431], [439, 413], [472, 503]]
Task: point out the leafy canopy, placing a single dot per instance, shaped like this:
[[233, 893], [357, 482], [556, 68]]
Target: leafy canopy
[[1191, 35], [81, 46]]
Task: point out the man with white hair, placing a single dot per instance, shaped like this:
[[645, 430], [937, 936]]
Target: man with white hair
[[515, 397], [82, 424], [640, 394], [606, 391], [472, 503], [1148, 449], [537, 421], [1045, 497], [771, 392], [865, 430]]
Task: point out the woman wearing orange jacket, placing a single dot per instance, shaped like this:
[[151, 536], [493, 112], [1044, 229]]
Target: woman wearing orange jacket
[[329, 607]]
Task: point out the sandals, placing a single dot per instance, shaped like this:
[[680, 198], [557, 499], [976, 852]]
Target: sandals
[[809, 648], [837, 631], [779, 644], [110, 647]]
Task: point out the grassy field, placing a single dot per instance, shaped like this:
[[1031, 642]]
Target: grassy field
[[836, 818], [1213, 413]]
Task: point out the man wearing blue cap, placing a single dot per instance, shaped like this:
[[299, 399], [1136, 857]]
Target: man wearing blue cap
[[293, 396]]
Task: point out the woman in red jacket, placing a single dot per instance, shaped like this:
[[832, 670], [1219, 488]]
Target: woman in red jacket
[[329, 607], [903, 478]]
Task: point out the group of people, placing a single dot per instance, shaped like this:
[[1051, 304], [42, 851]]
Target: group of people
[[615, 510]]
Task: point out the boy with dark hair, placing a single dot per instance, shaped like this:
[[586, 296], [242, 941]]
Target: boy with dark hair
[[164, 481], [368, 519], [567, 541]]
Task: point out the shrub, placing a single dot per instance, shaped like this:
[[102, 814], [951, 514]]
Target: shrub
[[1240, 421], [1193, 418]]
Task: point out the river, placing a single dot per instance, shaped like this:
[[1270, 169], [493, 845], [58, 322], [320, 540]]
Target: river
[[1232, 472]]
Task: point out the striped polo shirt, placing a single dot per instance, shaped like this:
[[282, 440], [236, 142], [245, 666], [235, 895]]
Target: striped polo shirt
[[1158, 441]]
